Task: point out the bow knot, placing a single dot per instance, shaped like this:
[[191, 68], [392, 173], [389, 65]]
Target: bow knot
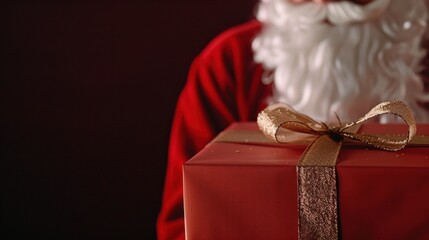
[[335, 134]]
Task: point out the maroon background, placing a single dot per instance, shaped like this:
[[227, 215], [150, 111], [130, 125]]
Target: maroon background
[[88, 92]]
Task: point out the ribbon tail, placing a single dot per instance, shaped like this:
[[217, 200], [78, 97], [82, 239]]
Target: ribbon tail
[[317, 190]]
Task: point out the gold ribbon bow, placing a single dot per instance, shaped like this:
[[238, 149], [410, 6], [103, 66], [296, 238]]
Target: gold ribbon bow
[[317, 193]]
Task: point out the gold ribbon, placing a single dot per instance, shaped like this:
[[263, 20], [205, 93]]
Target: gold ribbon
[[317, 193]]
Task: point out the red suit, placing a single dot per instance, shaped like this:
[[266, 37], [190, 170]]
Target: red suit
[[224, 86]]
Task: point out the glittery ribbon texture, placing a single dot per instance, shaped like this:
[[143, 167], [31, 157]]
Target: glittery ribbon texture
[[317, 188]]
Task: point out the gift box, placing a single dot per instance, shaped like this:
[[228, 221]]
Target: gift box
[[246, 189]]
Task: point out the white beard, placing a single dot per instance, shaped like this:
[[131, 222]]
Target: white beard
[[367, 54]]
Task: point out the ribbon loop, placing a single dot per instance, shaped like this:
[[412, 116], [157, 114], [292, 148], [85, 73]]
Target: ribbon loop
[[283, 124]]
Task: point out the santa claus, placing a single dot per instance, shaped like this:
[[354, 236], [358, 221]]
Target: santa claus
[[324, 58]]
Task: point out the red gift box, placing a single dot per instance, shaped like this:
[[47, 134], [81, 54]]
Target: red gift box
[[249, 191]]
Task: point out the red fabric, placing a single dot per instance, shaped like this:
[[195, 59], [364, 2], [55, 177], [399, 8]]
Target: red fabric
[[223, 82], [224, 86]]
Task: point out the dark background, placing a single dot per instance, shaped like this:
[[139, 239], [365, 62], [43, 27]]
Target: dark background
[[88, 90]]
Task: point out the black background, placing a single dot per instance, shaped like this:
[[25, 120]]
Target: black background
[[88, 92]]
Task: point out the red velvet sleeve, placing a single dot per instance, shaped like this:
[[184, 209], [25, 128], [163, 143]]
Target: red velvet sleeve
[[205, 107]]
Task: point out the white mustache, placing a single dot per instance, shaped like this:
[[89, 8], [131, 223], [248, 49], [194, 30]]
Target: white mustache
[[335, 12]]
